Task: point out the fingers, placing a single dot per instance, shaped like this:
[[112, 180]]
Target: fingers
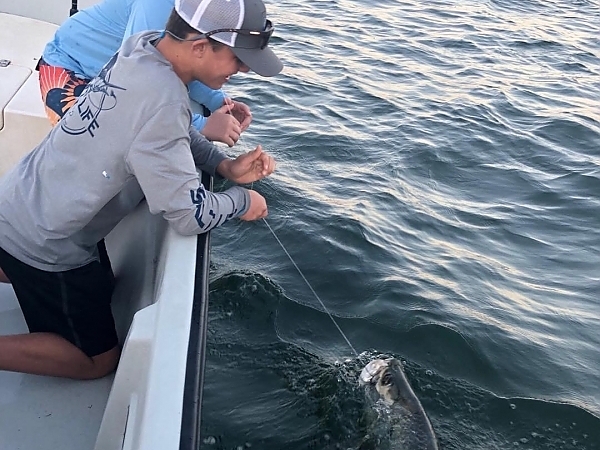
[[250, 157], [263, 163], [258, 207], [222, 127], [233, 137], [251, 166], [257, 152], [228, 140], [229, 136], [242, 113], [261, 213], [268, 164], [245, 123], [225, 109], [243, 107]]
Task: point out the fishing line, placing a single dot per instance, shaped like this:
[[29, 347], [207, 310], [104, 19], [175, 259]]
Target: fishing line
[[311, 288], [302, 275]]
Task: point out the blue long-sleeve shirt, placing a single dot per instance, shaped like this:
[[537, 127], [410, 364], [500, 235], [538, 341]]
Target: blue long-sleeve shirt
[[86, 41]]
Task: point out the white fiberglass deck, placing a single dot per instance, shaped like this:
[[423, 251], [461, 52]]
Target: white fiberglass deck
[[43, 412], [23, 122]]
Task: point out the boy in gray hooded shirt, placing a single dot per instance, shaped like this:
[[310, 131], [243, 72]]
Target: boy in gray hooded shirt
[[128, 136]]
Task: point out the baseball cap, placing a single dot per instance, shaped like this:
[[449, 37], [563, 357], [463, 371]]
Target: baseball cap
[[240, 24]]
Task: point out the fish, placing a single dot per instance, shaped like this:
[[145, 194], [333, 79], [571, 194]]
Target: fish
[[408, 425]]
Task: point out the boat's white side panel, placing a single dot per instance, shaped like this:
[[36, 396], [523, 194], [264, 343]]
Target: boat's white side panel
[[146, 400]]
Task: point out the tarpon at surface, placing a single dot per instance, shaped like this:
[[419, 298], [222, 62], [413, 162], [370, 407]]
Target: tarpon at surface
[[387, 385]]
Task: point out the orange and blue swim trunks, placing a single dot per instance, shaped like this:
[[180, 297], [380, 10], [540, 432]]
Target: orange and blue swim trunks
[[60, 89]]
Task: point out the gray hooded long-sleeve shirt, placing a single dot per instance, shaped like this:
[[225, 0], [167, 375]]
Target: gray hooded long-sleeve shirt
[[128, 136]]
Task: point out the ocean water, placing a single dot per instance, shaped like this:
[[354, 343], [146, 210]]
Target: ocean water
[[438, 185]]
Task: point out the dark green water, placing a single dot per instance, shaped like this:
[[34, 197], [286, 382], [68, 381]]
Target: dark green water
[[438, 184]]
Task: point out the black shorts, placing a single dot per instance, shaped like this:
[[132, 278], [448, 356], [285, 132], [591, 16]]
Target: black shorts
[[74, 304]]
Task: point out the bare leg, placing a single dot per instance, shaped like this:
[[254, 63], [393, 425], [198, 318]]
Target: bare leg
[[3, 277], [50, 354]]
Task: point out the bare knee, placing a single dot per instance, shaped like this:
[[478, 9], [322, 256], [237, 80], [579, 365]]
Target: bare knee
[[102, 364]]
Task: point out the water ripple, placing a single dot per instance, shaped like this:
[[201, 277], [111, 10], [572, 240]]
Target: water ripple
[[438, 182]]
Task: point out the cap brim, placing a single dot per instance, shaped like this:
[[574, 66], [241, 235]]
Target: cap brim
[[264, 62]]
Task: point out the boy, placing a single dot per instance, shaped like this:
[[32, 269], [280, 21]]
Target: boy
[[123, 136]]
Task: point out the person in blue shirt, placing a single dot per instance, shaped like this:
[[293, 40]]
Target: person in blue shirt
[[86, 41]]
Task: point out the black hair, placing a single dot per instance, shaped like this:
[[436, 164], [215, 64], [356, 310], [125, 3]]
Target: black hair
[[180, 29]]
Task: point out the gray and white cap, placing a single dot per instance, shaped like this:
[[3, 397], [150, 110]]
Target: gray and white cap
[[240, 24]]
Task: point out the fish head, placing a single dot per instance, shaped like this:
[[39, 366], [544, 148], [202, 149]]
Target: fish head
[[390, 382], [388, 388], [383, 378], [371, 371]]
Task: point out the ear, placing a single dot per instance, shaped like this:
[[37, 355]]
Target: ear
[[200, 47]]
